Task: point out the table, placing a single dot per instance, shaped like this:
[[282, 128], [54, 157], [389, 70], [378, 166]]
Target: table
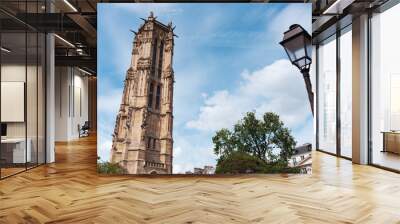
[[13, 150], [391, 141]]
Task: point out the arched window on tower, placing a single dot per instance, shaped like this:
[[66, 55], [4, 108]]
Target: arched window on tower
[[154, 57], [160, 59], [154, 143], [158, 97], [150, 96], [148, 143], [171, 124]]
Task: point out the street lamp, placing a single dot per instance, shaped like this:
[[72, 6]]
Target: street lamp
[[297, 44]]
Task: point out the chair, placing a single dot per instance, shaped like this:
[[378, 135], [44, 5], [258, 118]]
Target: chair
[[84, 130]]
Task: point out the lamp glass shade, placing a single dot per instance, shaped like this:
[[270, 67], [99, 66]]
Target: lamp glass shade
[[297, 44], [295, 48]]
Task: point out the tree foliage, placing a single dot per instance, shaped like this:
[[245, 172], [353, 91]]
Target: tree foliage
[[109, 168], [266, 140], [240, 162]]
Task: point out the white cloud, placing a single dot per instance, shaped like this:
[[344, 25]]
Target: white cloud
[[219, 111], [278, 88], [103, 150], [186, 92], [177, 151], [181, 168], [109, 102], [107, 107], [305, 134], [192, 150]]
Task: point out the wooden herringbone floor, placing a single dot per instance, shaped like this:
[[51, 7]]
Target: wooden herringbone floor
[[70, 191]]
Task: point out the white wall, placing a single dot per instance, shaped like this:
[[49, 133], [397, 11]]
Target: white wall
[[62, 82], [12, 73], [50, 92], [17, 73], [81, 113], [360, 90], [33, 126], [71, 102]]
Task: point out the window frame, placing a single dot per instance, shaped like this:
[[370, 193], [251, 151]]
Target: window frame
[[337, 35]]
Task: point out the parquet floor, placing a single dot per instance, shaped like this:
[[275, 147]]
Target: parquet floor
[[11, 170], [70, 191]]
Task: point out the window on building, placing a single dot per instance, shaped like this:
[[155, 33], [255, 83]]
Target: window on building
[[154, 57], [154, 143], [148, 142], [160, 59], [171, 125], [150, 98], [158, 97]]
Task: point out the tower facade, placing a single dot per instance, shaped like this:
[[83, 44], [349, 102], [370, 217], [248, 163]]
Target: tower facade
[[142, 139]]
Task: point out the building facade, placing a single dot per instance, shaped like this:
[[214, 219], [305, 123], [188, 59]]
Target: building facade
[[142, 139], [201, 171], [302, 158]]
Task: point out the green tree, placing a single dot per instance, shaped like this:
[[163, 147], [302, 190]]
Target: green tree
[[240, 162], [109, 168], [266, 139]]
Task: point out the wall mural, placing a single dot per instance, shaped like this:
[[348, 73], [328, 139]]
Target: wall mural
[[200, 89]]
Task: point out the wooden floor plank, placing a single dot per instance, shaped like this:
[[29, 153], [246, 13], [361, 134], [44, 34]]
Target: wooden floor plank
[[70, 191]]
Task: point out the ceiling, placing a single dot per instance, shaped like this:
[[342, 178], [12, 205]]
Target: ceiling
[[332, 15], [73, 21]]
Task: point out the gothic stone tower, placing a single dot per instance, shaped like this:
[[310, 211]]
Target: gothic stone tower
[[142, 138]]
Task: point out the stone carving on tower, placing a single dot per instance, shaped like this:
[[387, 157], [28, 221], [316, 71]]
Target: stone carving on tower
[[142, 140]]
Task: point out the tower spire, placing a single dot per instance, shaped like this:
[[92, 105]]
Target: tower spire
[[151, 16]]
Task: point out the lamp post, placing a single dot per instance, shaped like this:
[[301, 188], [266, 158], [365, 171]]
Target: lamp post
[[297, 44]]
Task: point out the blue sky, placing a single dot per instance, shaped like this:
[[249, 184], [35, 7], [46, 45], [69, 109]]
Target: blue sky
[[227, 61]]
